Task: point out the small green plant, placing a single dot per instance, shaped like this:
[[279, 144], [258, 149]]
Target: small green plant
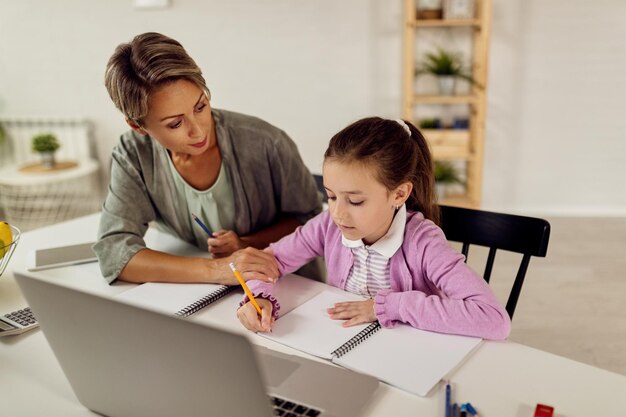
[[3, 134], [429, 123], [446, 173], [443, 62], [45, 142]]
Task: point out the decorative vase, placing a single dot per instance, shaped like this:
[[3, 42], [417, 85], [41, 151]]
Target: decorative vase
[[447, 84], [47, 159]]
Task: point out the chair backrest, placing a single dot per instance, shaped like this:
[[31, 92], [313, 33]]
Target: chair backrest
[[528, 236], [319, 181]]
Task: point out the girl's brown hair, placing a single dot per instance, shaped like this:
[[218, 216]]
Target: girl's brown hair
[[396, 156], [137, 68]]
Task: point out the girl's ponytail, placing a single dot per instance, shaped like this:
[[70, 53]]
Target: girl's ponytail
[[423, 196]]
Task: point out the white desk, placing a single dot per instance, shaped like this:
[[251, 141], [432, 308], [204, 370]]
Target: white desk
[[500, 378]]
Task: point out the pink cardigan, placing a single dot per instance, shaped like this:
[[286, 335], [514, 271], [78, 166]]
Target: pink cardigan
[[431, 287]]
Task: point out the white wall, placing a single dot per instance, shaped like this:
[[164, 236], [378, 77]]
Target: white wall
[[555, 130], [556, 126]]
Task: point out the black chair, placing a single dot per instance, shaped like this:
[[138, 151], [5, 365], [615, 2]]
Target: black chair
[[526, 235], [319, 181]]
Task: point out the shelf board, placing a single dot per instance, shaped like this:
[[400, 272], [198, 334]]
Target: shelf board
[[448, 144], [437, 99], [434, 23], [460, 200]]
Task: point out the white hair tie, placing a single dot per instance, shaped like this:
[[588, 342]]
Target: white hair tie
[[404, 126]]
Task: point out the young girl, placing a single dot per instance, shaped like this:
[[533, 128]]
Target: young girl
[[380, 239]]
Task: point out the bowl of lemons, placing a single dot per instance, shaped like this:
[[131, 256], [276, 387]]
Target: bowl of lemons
[[9, 237]]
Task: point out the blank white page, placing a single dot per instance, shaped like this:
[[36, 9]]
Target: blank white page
[[166, 297], [410, 359]]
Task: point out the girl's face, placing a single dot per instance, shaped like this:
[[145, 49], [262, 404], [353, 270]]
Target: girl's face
[[179, 118], [360, 206]]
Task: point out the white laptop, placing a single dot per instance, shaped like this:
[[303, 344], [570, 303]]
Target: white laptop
[[122, 360]]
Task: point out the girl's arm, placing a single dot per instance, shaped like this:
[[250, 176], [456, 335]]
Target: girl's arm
[[461, 302], [291, 252]]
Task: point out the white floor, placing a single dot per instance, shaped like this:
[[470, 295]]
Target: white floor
[[573, 301]]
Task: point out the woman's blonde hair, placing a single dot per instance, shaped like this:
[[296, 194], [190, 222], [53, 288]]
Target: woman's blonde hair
[[146, 63]]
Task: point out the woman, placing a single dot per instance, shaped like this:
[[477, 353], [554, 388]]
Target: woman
[[242, 176]]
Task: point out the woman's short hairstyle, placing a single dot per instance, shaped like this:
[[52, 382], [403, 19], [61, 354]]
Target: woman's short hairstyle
[[146, 63]]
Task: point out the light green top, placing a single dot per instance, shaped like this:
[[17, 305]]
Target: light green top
[[214, 206]]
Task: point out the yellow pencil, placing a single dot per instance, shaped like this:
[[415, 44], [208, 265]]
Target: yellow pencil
[[245, 287]]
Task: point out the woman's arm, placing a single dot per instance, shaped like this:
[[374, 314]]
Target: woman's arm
[[149, 265], [262, 238], [225, 242]]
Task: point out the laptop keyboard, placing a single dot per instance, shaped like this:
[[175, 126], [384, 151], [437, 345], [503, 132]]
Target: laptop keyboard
[[287, 408]]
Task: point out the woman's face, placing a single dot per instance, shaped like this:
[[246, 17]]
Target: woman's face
[[179, 118], [360, 206]]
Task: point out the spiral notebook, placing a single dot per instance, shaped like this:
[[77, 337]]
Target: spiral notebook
[[410, 359], [180, 300]]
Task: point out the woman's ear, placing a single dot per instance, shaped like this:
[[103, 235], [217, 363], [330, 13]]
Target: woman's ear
[[402, 193], [133, 125]]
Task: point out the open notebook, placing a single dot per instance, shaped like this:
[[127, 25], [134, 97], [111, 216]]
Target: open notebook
[[408, 358], [180, 300], [186, 299]]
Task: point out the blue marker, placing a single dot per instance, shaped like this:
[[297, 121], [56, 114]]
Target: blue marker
[[448, 395], [202, 225], [471, 409]]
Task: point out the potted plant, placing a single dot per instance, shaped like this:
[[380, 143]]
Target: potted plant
[[46, 145], [429, 9], [447, 67], [430, 123], [446, 174]]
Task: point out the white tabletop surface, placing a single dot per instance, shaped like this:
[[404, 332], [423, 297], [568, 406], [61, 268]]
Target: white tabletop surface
[[11, 174], [500, 378]]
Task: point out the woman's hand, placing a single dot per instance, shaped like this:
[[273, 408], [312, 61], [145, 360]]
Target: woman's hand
[[355, 312], [252, 264], [249, 317], [224, 242]]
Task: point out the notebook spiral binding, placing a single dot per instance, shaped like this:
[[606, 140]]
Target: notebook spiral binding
[[354, 341], [204, 301]]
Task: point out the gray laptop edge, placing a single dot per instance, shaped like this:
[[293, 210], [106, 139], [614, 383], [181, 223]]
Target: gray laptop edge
[[125, 361]]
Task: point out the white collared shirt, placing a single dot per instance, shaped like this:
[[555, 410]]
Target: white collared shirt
[[370, 270]]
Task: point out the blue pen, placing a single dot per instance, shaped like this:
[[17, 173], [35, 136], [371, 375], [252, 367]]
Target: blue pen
[[202, 225], [448, 395]]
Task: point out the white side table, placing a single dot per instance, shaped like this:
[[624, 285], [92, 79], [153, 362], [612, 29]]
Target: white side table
[[31, 200]]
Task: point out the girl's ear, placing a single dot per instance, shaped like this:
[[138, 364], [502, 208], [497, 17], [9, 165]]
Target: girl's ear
[[402, 193], [133, 125]]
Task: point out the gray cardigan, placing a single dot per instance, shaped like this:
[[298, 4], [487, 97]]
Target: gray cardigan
[[268, 177]]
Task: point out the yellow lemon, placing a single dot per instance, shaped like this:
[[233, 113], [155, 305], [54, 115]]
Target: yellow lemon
[[6, 237]]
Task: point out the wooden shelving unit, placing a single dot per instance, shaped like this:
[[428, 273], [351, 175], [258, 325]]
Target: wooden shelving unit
[[453, 144]]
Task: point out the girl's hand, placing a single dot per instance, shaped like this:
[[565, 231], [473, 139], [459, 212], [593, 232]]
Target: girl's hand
[[252, 264], [355, 312], [224, 242], [249, 317]]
